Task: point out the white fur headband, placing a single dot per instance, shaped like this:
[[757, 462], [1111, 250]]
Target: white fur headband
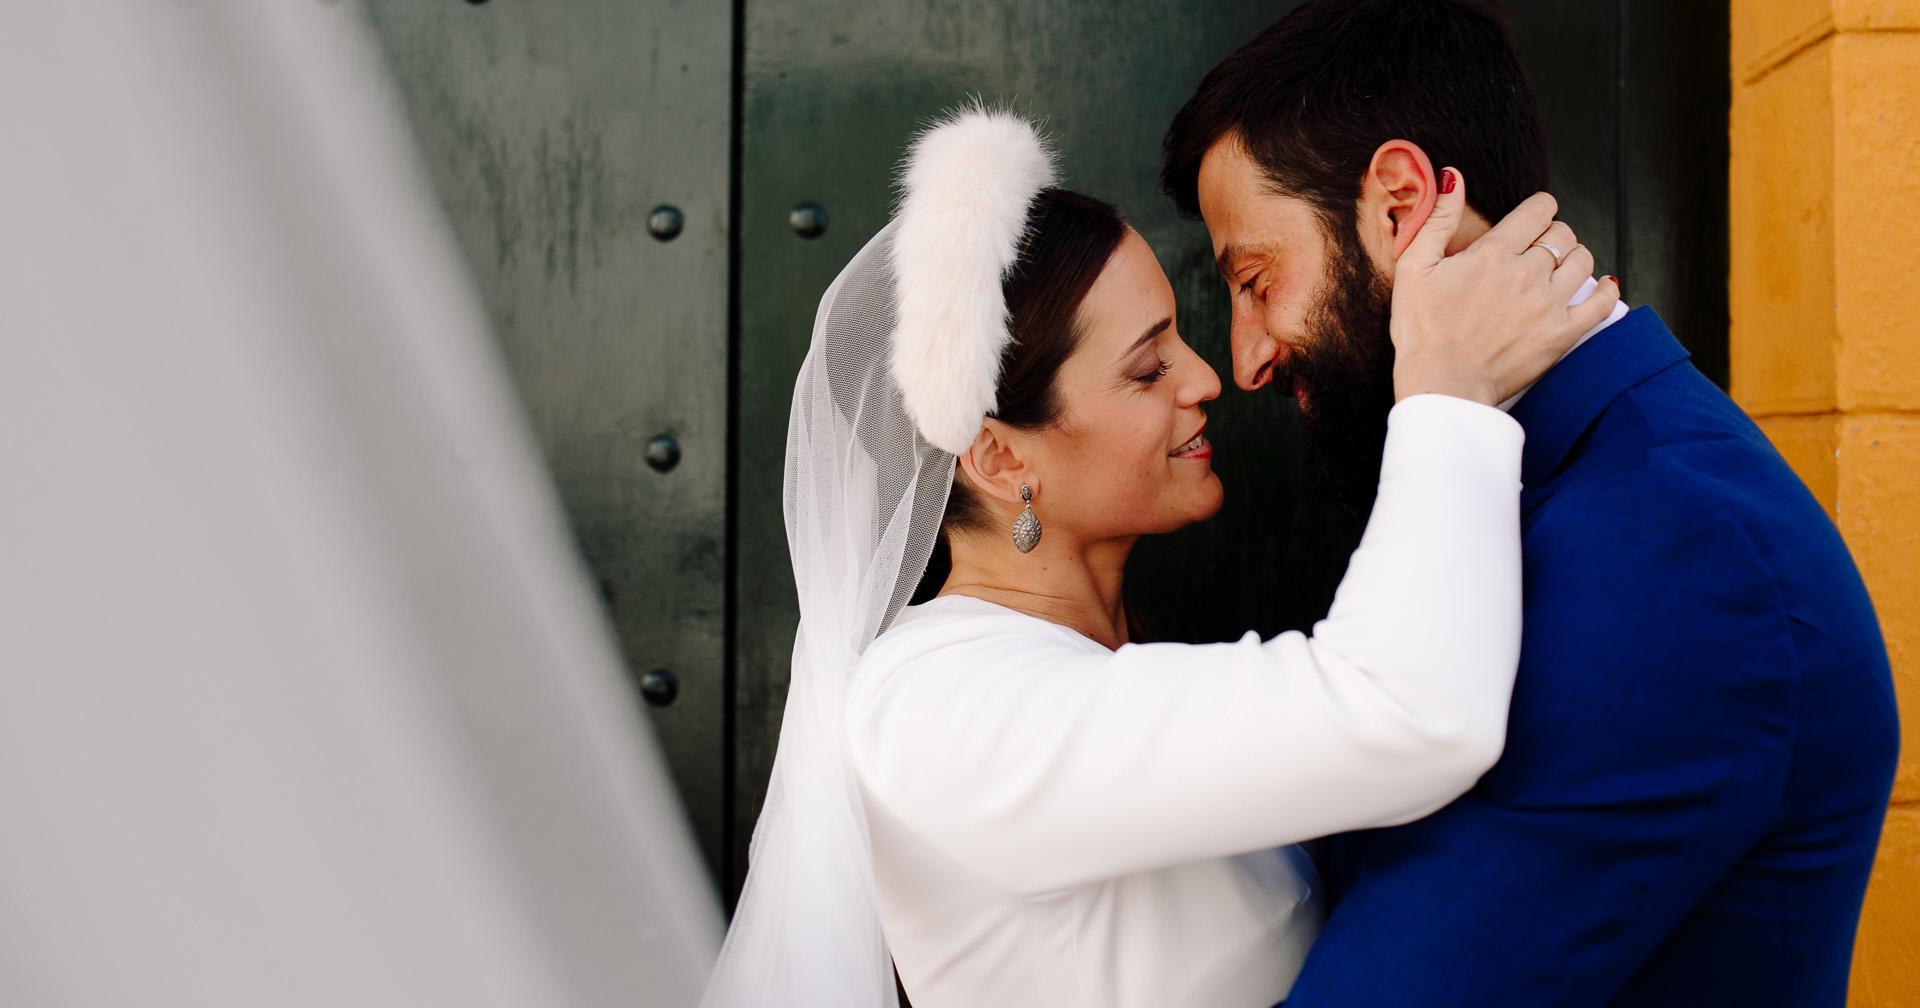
[[968, 183]]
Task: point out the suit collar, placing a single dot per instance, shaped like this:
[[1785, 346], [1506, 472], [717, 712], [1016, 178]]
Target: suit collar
[[1572, 395]]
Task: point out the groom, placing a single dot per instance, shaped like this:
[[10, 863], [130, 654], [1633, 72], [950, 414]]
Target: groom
[[1703, 733]]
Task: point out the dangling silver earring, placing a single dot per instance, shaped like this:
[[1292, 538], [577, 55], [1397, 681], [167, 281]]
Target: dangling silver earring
[[1026, 528]]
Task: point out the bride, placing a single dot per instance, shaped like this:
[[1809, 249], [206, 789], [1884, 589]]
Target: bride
[[999, 792]]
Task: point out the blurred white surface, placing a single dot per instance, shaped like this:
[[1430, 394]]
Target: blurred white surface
[[303, 696]]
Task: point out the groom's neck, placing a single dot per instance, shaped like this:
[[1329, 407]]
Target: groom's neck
[[1472, 226]]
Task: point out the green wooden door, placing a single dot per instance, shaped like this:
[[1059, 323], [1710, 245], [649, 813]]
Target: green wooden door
[[1635, 96], [552, 131], [554, 128]]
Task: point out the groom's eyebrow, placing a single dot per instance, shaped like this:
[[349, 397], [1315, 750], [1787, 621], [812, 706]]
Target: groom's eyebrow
[[1224, 261], [1147, 337]]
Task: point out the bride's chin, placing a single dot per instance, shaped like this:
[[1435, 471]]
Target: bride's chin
[[1216, 498], [1205, 509], [1173, 517]]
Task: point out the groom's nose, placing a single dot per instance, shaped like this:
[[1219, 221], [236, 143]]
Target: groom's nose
[[1255, 351]]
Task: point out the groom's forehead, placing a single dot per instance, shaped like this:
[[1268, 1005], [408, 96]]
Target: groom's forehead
[[1288, 229], [1244, 213]]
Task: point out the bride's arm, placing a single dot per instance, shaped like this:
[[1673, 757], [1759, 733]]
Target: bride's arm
[[1043, 767]]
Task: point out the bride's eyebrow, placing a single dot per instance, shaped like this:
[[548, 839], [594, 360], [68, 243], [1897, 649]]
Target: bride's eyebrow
[[1147, 337]]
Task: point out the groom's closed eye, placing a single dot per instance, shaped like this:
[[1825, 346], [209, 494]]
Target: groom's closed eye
[[1252, 281], [1241, 269]]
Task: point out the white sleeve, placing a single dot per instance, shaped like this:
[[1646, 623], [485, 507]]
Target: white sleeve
[[1042, 767]]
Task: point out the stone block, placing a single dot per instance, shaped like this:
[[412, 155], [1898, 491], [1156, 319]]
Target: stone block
[[1810, 444], [1782, 284], [1877, 496], [1876, 15], [1876, 95], [1767, 33], [1886, 958]]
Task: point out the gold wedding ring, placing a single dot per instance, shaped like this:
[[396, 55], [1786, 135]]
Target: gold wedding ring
[[1554, 252]]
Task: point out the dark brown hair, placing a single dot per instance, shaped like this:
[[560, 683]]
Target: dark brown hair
[[1315, 95], [1070, 236]]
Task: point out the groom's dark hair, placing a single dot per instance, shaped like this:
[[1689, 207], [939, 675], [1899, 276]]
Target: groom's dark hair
[[1315, 95]]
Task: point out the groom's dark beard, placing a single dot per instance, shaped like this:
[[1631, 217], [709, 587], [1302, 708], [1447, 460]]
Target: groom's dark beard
[[1345, 374]]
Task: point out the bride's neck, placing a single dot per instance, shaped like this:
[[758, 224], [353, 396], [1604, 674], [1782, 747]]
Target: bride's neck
[[1077, 585]]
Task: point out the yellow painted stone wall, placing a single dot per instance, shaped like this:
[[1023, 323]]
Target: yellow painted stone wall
[[1825, 298]]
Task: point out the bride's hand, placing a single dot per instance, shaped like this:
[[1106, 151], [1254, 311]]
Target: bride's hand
[[1488, 321]]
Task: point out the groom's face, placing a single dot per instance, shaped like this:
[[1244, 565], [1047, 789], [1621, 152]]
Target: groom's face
[[1310, 317]]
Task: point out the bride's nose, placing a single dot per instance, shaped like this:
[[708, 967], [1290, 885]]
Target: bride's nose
[[1201, 383]]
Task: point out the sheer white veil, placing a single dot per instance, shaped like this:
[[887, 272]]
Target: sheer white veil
[[865, 491], [864, 495]]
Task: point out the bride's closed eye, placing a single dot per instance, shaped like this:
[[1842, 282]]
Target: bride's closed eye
[[1158, 371]]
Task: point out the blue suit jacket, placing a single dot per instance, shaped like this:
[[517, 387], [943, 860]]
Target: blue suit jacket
[[1702, 740]]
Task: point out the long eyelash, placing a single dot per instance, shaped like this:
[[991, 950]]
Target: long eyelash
[[1156, 374]]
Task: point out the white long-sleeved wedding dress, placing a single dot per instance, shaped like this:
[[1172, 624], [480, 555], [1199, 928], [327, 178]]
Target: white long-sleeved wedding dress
[[1055, 824]]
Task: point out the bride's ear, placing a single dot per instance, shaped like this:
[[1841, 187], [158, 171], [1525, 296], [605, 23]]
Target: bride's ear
[[995, 461], [1397, 195]]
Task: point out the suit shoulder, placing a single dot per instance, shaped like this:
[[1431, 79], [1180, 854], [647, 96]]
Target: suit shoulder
[[1676, 445]]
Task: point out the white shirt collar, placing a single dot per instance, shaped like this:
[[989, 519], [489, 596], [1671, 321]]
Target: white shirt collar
[[1586, 291]]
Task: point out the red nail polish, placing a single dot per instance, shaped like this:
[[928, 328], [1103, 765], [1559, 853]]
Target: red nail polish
[[1447, 181]]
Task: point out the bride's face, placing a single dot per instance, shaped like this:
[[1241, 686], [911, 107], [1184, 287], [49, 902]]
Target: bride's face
[[1129, 456]]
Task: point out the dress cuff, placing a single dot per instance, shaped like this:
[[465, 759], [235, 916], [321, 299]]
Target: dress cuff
[[1431, 429]]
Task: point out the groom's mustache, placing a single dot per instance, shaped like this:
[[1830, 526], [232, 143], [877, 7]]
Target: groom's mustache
[[1299, 375], [1291, 380]]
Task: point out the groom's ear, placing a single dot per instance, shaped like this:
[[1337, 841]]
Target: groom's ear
[[1397, 195]]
